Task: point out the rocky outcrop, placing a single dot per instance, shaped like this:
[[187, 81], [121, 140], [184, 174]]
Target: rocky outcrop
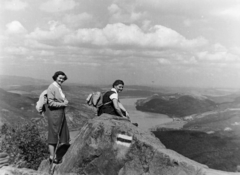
[[110, 146], [4, 159], [8, 170]]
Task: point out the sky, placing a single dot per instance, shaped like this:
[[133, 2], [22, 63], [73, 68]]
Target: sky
[[143, 42]]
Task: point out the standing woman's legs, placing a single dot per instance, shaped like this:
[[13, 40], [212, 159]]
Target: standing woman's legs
[[51, 148], [54, 120]]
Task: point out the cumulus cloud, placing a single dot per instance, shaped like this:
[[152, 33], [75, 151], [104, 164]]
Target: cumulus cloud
[[78, 20], [163, 61], [31, 43], [58, 5], [24, 51], [194, 9], [113, 8], [146, 24], [228, 13], [15, 27], [124, 14], [187, 22], [235, 50], [15, 5], [30, 58], [134, 16], [56, 31], [218, 48], [219, 54], [16, 50], [131, 35], [46, 53], [218, 57]]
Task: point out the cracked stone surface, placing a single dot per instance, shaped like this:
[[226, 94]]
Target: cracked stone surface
[[8, 170], [4, 158], [96, 151]]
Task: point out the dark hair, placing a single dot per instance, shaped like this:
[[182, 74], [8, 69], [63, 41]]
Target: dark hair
[[59, 73], [117, 82]]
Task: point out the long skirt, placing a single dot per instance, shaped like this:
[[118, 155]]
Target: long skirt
[[57, 125]]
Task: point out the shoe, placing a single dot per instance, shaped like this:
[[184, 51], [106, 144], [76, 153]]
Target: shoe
[[54, 161], [136, 124], [50, 160]]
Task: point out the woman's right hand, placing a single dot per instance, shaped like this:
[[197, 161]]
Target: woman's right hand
[[65, 103]]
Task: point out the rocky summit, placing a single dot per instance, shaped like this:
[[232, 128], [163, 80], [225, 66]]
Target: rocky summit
[[114, 146]]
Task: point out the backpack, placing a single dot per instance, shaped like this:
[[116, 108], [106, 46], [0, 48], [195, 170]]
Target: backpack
[[40, 105], [95, 99]]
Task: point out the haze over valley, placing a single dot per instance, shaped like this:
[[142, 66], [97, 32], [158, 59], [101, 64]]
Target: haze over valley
[[202, 124]]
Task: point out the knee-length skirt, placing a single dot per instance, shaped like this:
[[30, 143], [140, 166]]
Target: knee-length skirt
[[57, 125]]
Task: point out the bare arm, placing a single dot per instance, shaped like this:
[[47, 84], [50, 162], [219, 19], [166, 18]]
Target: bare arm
[[122, 107], [117, 108]]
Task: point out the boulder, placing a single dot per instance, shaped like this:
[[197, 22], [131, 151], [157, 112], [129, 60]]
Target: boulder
[[4, 159], [8, 170], [108, 145]]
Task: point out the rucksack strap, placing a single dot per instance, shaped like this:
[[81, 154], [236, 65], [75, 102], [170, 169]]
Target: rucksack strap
[[107, 102]]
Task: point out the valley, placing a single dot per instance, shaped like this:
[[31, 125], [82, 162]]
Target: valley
[[203, 126]]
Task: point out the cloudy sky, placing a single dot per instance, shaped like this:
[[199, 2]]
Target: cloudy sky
[[144, 42]]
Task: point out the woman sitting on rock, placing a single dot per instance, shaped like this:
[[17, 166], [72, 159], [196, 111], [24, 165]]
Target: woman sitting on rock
[[111, 104]]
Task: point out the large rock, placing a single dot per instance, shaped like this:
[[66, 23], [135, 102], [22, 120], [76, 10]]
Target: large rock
[[104, 147], [4, 159], [8, 170]]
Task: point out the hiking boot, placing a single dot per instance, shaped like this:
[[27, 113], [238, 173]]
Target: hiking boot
[[136, 124], [55, 161]]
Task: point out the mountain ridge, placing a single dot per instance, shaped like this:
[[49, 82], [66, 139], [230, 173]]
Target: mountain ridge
[[175, 105]]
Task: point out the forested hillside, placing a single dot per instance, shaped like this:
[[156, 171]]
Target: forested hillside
[[176, 105]]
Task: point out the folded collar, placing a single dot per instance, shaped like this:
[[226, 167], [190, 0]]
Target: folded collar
[[57, 85], [113, 89]]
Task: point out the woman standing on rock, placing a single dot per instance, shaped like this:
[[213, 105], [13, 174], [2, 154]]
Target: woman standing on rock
[[111, 104], [57, 123]]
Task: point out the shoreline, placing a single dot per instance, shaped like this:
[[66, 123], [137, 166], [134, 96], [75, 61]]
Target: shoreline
[[175, 123], [170, 125], [146, 120]]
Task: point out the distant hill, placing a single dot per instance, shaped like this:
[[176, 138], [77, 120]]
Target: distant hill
[[19, 107], [211, 92], [15, 108], [225, 98], [228, 120], [176, 105], [18, 97], [217, 151], [212, 139], [136, 93], [7, 81]]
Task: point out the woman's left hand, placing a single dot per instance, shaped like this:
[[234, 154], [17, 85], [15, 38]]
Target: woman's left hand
[[127, 115]]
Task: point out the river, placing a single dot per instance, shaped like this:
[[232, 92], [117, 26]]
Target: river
[[145, 120]]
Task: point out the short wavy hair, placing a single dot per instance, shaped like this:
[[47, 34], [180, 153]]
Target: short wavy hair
[[54, 77], [117, 82]]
